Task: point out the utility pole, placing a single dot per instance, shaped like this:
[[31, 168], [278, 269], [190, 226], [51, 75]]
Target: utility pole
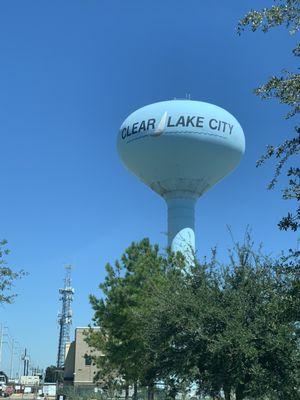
[[2, 334], [11, 359], [26, 362], [11, 343], [1, 342], [20, 364], [15, 351], [27, 366]]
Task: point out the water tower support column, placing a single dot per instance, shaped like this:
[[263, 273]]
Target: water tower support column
[[181, 223]]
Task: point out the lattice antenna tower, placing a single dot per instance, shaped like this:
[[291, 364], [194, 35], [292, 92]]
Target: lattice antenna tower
[[65, 317]]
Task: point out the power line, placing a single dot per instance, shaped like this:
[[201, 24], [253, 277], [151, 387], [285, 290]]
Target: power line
[[15, 350]]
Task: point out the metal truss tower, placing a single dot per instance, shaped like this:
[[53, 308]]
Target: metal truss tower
[[65, 317]]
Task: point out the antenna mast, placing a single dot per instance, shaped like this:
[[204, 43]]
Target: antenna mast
[[65, 317]]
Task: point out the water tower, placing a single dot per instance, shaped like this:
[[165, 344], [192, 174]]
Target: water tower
[[180, 149]]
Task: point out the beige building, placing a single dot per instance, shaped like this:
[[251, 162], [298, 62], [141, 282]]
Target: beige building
[[79, 369]]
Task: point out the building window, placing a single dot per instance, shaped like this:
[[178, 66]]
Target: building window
[[88, 359]]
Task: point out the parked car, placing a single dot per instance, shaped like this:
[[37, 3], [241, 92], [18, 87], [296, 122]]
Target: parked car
[[9, 391], [3, 383]]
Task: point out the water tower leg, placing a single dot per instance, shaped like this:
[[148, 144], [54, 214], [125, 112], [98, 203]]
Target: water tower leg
[[181, 224]]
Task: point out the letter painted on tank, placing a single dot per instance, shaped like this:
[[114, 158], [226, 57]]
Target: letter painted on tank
[[134, 128], [151, 123], [142, 126], [212, 125], [199, 123], [180, 121], [123, 134], [224, 126], [189, 121], [169, 125]]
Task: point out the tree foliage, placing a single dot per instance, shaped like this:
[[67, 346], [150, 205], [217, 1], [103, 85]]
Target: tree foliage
[[286, 89], [7, 276], [53, 374], [127, 283], [226, 327]]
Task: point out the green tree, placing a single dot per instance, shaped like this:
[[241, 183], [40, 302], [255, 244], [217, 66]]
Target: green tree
[[53, 374], [226, 327], [258, 343], [128, 284], [168, 323], [286, 89], [288, 271], [7, 276]]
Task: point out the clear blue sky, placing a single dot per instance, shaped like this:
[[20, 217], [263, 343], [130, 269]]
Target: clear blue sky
[[70, 72]]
